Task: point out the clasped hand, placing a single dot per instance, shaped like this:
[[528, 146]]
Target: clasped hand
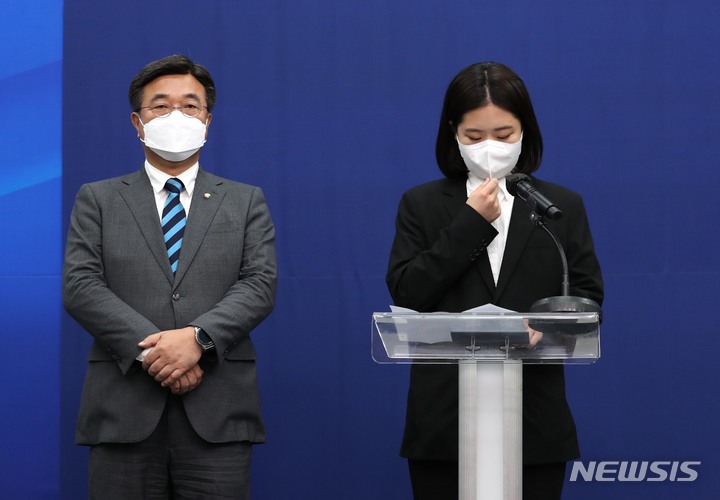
[[173, 359]]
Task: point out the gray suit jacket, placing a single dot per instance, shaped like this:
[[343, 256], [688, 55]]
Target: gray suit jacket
[[117, 283]]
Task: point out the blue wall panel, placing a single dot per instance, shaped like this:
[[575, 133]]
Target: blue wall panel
[[30, 248]]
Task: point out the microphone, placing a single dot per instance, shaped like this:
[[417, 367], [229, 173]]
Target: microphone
[[519, 185]]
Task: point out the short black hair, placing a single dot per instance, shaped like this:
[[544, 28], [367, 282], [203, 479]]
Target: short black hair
[[476, 86], [170, 65]]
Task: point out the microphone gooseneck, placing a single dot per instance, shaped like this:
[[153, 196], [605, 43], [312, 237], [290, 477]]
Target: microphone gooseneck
[[519, 185], [540, 222]]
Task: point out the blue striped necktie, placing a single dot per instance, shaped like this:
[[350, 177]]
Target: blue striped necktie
[[173, 221]]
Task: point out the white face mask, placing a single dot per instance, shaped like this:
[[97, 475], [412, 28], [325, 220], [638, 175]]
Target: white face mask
[[490, 159], [174, 137]]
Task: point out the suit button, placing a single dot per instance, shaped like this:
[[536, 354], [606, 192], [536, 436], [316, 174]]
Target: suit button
[[176, 296]]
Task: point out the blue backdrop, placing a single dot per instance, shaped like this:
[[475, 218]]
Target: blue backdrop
[[332, 107], [30, 247]]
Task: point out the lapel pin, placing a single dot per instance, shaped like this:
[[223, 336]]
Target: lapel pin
[[206, 196]]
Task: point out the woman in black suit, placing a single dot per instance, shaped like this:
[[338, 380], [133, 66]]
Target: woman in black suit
[[463, 241]]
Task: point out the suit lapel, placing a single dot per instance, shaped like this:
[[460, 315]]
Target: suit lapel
[[137, 192], [206, 200], [455, 196], [521, 227]]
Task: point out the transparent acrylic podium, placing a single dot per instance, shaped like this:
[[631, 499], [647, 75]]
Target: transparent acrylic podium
[[490, 349]]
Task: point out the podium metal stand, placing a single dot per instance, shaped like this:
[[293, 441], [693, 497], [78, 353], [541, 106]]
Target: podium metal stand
[[490, 349]]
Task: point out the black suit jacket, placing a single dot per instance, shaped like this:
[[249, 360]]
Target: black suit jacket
[[438, 263]]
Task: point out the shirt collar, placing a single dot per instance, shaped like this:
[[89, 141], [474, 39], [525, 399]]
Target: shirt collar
[[158, 178], [473, 182], [503, 190]]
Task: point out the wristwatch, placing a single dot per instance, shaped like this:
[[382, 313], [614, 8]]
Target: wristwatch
[[203, 339]]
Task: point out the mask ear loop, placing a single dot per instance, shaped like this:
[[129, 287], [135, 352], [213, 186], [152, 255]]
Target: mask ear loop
[[143, 126]]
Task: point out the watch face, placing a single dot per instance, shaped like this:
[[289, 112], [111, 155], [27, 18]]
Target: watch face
[[203, 339]]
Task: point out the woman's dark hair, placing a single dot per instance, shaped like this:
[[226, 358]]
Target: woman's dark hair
[[170, 65], [476, 86]]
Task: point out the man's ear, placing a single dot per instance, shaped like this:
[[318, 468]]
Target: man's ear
[[207, 124], [135, 119]]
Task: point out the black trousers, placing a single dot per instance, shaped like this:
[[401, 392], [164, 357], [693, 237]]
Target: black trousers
[[438, 480], [173, 463]]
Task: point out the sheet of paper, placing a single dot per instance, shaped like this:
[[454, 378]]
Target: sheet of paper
[[429, 330]]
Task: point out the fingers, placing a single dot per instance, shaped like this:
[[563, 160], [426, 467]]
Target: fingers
[[180, 386], [150, 340], [171, 362], [491, 185], [194, 377], [485, 200], [170, 378], [162, 372], [149, 360], [187, 381], [535, 337], [174, 351]]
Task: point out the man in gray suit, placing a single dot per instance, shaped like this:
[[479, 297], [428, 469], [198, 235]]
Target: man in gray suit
[[169, 269]]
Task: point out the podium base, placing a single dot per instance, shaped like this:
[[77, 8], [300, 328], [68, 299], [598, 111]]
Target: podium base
[[564, 303]]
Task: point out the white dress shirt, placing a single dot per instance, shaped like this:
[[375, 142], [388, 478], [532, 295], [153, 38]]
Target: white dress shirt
[[496, 248], [158, 179]]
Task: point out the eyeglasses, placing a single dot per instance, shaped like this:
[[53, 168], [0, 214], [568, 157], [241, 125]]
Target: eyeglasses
[[189, 109]]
